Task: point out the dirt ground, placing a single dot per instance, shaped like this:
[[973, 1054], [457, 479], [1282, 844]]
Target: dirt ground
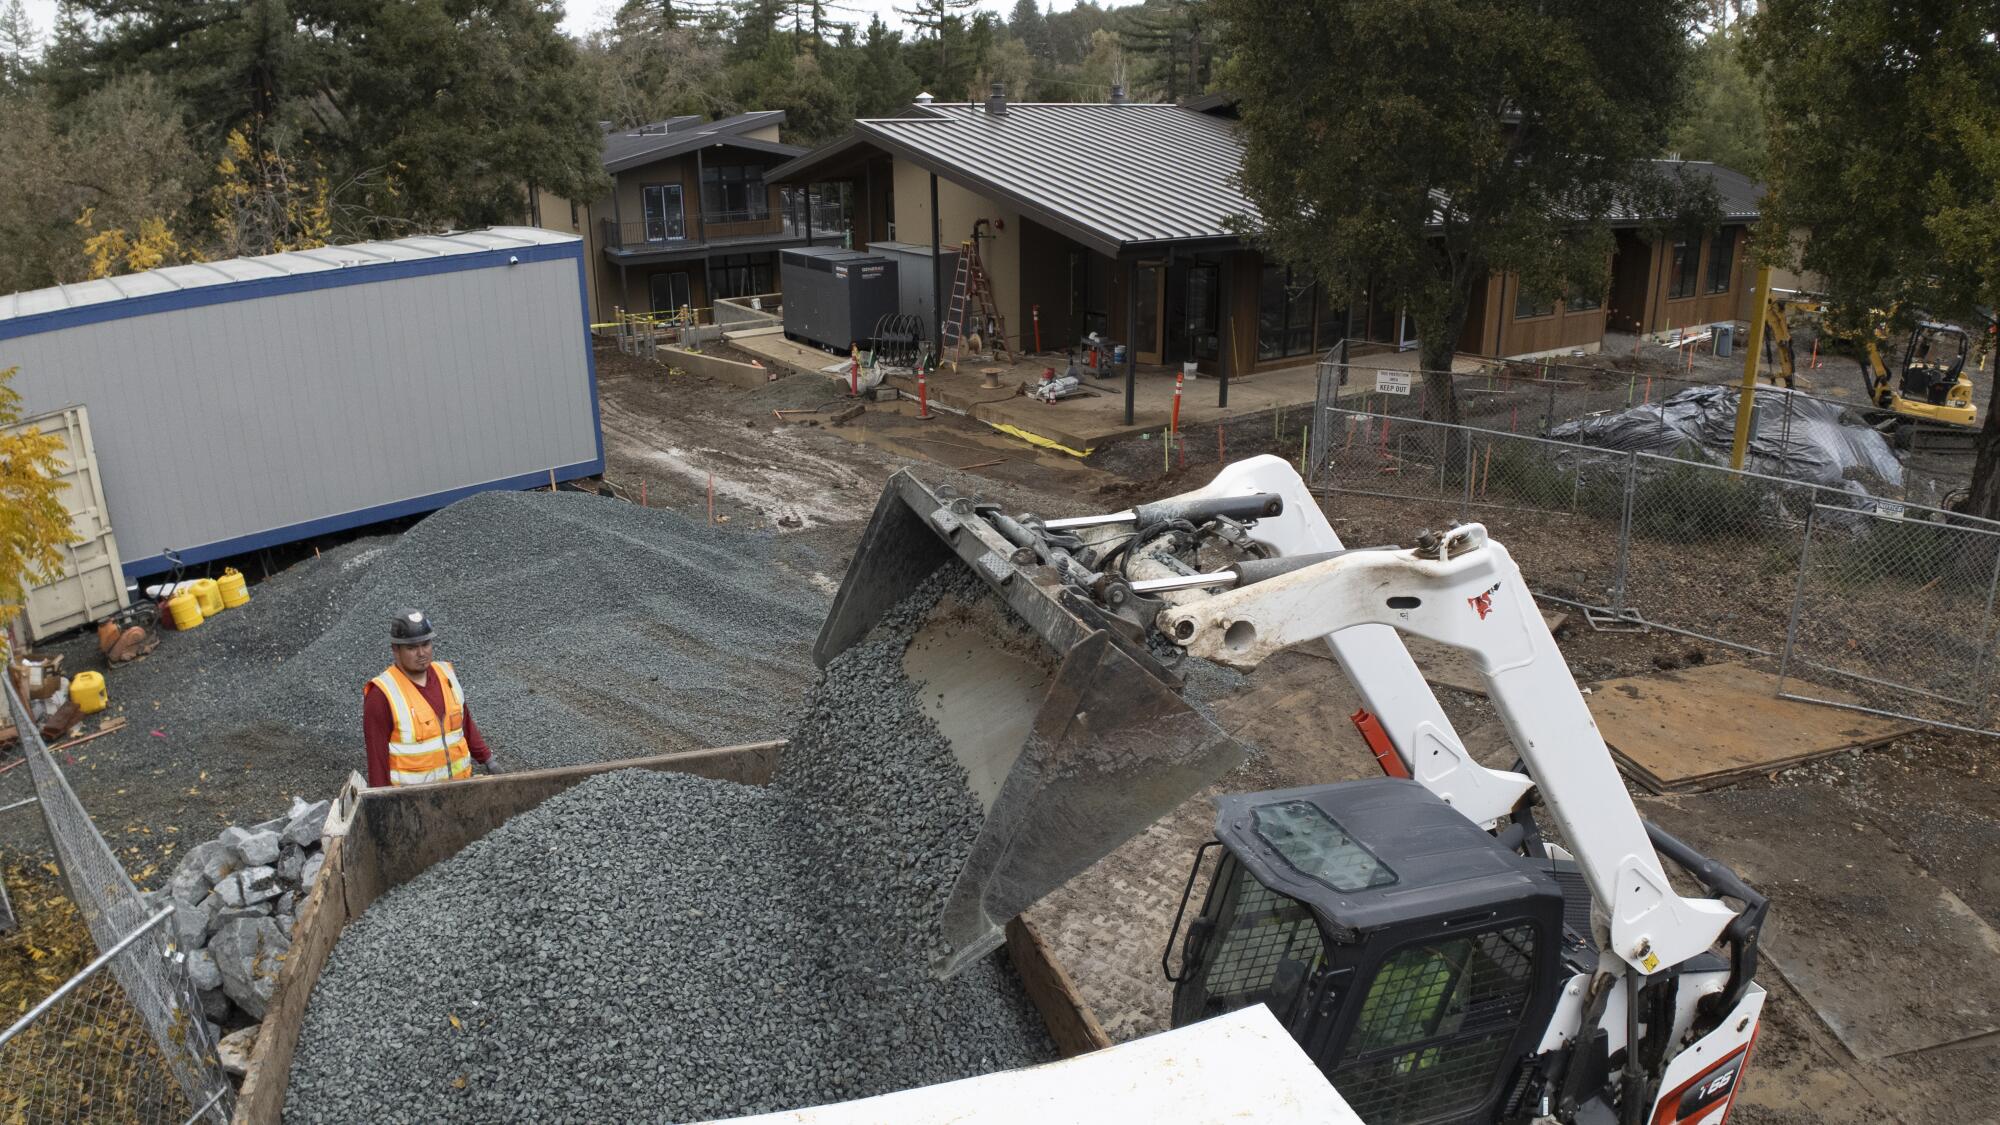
[[678, 440], [1930, 794]]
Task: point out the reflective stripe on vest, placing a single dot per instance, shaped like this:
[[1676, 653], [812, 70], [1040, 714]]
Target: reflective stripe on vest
[[423, 747]]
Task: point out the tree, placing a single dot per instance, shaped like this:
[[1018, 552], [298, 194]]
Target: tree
[[644, 68], [34, 524], [1418, 147], [1172, 47], [464, 101], [1724, 119], [949, 73], [18, 43], [1885, 162]]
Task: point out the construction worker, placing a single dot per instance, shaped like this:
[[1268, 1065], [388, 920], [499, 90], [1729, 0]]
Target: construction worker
[[413, 715]]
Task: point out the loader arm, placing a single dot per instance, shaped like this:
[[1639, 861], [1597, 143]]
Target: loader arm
[[1389, 682], [1464, 591]]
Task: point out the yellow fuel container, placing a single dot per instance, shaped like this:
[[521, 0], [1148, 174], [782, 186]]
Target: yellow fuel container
[[208, 595], [87, 688], [184, 610], [233, 589]]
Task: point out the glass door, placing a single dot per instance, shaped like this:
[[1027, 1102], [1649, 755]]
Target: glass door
[[664, 219]]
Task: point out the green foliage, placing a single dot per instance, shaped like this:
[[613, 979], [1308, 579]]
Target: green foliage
[[1724, 117], [1885, 161], [1535, 122], [19, 42], [34, 524]]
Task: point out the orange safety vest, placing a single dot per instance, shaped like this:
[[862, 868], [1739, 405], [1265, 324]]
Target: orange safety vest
[[421, 748]]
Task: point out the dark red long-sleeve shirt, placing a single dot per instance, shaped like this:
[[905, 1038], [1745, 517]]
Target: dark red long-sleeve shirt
[[377, 723]]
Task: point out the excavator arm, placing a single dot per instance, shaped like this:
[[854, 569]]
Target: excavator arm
[[1464, 591]]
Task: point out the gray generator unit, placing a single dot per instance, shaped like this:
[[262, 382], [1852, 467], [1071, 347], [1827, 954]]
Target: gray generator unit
[[835, 297], [913, 264]]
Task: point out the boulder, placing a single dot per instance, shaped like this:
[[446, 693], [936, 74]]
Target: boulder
[[234, 1049], [217, 863], [214, 1003], [306, 823], [291, 865], [311, 871], [202, 970], [190, 924], [247, 951], [249, 886], [259, 849], [191, 882]]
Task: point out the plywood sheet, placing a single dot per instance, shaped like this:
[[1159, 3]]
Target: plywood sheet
[[1890, 959], [1700, 727]]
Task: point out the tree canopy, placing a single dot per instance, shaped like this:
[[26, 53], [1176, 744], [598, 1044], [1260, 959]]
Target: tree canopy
[[1417, 146]]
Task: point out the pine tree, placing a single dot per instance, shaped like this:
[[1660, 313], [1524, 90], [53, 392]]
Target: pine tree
[[943, 21], [18, 42]]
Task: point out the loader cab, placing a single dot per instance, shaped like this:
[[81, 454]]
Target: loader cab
[[1413, 957]]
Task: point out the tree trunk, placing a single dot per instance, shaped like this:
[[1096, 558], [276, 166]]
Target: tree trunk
[[1983, 500], [1435, 349]]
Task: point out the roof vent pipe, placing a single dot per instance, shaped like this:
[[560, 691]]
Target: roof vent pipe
[[925, 98], [996, 101], [1117, 93]]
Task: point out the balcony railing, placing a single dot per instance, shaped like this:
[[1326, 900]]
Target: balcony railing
[[786, 221]]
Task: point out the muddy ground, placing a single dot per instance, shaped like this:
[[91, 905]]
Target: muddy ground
[[776, 458]]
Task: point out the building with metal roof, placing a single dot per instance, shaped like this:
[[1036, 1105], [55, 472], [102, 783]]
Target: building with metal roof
[[242, 404], [1128, 220]]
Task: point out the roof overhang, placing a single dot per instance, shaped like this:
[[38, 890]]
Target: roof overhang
[[685, 144], [844, 158]]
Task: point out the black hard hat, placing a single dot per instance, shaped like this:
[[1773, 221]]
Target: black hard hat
[[410, 627]]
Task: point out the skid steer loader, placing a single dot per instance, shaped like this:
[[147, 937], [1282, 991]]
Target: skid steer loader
[[1435, 954]]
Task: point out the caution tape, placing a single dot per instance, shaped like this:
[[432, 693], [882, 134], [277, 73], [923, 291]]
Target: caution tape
[[1037, 439]]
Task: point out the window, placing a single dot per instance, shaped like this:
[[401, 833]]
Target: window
[[734, 193], [1584, 302], [669, 291], [1528, 303], [1204, 284], [1680, 279], [664, 221], [1721, 258], [1284, 314], [740, 275]]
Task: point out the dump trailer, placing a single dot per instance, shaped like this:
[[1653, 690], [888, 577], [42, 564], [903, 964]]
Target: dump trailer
[[1438, 956], [379, 839]]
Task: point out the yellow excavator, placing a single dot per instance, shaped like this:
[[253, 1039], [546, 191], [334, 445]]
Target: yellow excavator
[[1932, 388]]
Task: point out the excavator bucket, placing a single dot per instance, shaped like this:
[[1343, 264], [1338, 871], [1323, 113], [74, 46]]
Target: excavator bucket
[[1072, 736]]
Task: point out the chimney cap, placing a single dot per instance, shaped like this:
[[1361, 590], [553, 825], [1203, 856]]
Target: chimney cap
[[1117, 93], [925, 98], [996, 101]]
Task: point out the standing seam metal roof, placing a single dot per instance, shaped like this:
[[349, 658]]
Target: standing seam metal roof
[[229, 271], [1131, 173], [629, 150]]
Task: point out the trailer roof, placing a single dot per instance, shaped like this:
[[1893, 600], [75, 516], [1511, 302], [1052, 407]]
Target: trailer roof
[[360, 255]]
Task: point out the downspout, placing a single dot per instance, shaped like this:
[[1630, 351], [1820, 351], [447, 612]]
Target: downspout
[[937, 278]]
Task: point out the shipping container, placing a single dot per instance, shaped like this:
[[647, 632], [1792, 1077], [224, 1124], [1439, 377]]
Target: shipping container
[[242, 404], [91, 586]]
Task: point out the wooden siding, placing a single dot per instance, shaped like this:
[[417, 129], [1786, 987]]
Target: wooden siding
[[1650, 265]]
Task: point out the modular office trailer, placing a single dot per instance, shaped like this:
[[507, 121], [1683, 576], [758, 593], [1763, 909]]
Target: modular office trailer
[[242, 404]]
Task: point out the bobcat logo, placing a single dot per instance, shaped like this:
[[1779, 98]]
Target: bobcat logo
[[1483, 604]]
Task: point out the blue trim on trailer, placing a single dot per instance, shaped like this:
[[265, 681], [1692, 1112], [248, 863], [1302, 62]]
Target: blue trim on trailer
[[255, 288], [223, 548]]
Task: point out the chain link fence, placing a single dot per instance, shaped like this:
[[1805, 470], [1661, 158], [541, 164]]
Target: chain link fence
[[1898, 612], [1865, 600], [125, 1039]]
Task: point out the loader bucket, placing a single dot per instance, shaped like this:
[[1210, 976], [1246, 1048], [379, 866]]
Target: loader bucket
[[1073, 738]]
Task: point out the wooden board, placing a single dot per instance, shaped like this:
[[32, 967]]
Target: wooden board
[[1071, 1023], [1890, 959], [1697, 728], [395, 834]]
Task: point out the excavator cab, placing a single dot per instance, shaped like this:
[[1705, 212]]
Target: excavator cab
[[1934, 363], [1415, 958]]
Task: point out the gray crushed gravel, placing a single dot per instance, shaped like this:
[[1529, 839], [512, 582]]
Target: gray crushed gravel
[[584, 629], [652, 946]]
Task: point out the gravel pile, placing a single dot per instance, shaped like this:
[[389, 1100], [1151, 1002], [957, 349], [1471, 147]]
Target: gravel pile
[[664, 947], [584, 629]]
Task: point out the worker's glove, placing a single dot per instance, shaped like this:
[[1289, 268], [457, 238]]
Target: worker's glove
[[492, 766]]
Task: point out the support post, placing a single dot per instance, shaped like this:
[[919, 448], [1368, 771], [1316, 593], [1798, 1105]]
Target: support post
[[1746, 399], [700, 204], [1131, 347], [937, 277], [806, 200], [1226, 348]]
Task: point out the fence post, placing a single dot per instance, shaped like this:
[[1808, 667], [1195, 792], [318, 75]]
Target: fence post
[[1625, 533], [1987, 641], [1798, 597]]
